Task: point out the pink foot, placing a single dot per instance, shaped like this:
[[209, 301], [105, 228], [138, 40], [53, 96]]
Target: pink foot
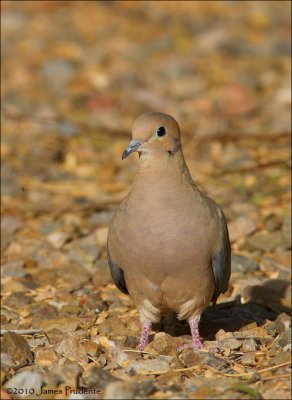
[[196, 342], [146, 326]]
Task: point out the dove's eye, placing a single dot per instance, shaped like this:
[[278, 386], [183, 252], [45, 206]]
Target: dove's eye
[[160, 131]]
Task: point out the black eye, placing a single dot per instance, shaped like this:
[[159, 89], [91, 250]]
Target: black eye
[[160, 131]]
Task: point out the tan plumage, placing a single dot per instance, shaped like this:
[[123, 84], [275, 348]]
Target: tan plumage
[[168, 243]]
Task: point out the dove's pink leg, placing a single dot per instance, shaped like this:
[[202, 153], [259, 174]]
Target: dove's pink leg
[[146, 326], [194, 325], [196, 342]]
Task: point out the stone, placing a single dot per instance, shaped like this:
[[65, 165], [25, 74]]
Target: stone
[[90, 347], [275, 327], [288, 347], [280, 358], [147, 366], [245, 209], [5, 372], [37, 343], [42, 313], [70, 309], [101, 236], [131, 341], [273, 222], [57, 73], [114, 354], [77, 395], [6, 360], [192, 358], [68, 128], [61, 323], [129, 390], [54, 335], [84, 250], [243, 264], [48, 227], [119, 390], [46, 357], [100, 218], [283, 339], [249, 344], [275, 393], [232, 344], [274, 294], [18, 300], [279, 262], [161, 344], [265, 241], [101, 274], [286, 319], [58, 239], [69, 370], [29, 382], [248, 359], [17, 347], [235, 100], [213, 346], [241, 227], [221, 335], [119, 327], [9, 225], [286, 232], [6, 364], [13, 268], [72, 349], [97, 377]]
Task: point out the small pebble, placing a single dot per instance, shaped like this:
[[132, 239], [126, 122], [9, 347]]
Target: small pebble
[[248, 359], [249, 345]]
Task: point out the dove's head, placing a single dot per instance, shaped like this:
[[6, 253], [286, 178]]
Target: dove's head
[[154, 133]]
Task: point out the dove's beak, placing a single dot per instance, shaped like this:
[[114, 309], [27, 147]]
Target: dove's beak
[[133, 146]]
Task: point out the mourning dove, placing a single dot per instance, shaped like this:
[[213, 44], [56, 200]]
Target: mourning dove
[[168, 244]]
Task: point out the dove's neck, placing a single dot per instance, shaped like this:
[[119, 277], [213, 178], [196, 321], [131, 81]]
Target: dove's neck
[[163, 172]]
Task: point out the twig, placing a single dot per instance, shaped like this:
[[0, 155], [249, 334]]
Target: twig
[[141, 352], [213, 369], [19, 366], [171, 370], [127, 315], [21, 331], [274, 367], [17, 116], [260, 370], [92, 359], [253, 168], [269, 378], [163, 356]]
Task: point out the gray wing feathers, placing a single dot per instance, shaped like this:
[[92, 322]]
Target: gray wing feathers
[[117, 275], [221, 261]]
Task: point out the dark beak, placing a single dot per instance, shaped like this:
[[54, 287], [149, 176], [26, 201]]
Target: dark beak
[[133, 146]]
